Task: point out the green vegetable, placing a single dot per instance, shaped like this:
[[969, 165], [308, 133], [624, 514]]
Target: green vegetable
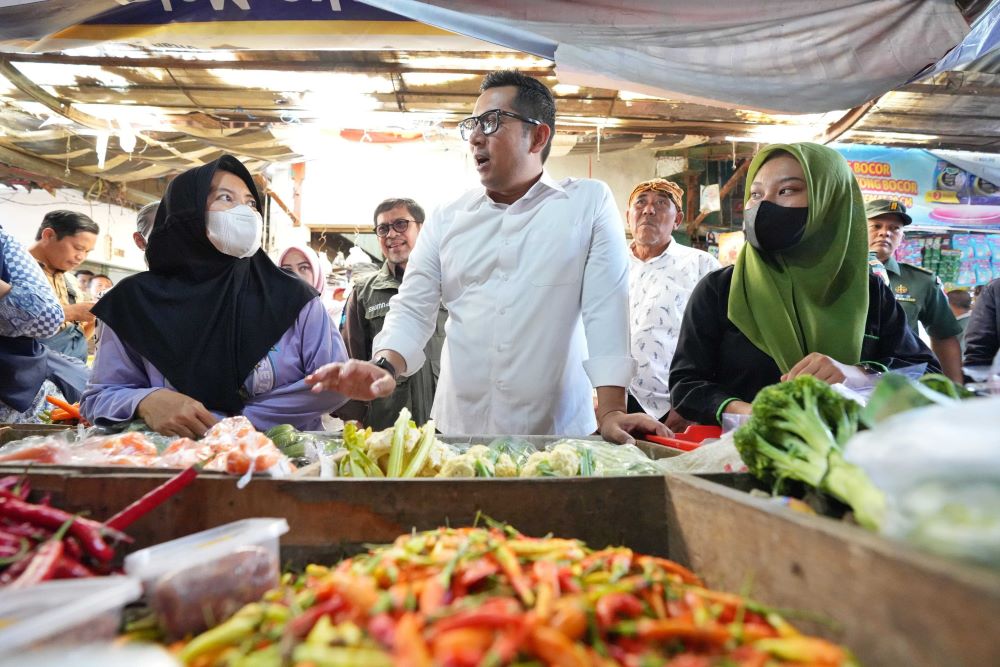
[[943, 384], [797, 431], [897, 393], [402, 425], [423, 448]]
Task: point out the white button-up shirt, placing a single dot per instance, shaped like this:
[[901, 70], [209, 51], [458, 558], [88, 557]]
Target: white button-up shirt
[[659, 289], [537, 299]]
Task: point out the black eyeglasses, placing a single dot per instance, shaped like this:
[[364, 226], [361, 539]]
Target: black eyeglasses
[[489, 122], [398, 225]]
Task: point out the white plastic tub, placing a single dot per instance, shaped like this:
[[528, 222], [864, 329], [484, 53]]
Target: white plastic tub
[[198, 581], [64, 612]]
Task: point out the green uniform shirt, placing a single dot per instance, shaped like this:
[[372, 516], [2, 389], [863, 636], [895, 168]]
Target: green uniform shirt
[[922, 297], [364, 316]]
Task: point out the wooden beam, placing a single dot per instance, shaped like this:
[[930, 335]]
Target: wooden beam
[[271, 65], [75, 179], [66, 110], [692, 227]]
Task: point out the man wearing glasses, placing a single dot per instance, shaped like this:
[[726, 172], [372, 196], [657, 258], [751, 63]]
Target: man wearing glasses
[[534, 274], [397, 224]]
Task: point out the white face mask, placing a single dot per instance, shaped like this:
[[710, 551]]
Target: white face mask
[[235, 232]]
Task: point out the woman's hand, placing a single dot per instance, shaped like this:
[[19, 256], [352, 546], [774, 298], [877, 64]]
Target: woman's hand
[[826, 369], [618, 427], [172, 413], [359, 380]]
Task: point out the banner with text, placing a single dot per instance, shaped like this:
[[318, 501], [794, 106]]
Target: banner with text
[[936, 192]]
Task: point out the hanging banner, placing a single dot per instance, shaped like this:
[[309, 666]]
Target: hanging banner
[[936, 192], [224, 24]]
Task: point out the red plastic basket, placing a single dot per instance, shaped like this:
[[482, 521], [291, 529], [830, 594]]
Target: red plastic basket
[[690, 439]]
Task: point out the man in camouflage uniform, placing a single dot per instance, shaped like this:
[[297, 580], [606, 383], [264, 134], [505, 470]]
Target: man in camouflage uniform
[[397, 225], [917, 290]]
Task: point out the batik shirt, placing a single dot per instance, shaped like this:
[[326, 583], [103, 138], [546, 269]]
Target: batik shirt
[[659, 289]]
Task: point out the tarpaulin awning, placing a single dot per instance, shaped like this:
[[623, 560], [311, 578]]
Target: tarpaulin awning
[[799, 56]]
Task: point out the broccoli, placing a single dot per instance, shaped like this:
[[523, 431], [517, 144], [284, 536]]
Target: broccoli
[[797, 430]]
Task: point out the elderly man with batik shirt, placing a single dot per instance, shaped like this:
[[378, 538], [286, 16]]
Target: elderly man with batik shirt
[[662, 274]]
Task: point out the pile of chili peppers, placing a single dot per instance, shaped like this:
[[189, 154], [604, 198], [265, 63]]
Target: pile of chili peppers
[[39, 542], [491, 596]]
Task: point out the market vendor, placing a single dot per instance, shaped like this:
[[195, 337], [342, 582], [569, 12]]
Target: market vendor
[[534, 274], [214, 328], [799, 299]]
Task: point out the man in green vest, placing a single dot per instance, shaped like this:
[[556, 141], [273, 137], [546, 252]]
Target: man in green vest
[[917, 290], [397, 225]]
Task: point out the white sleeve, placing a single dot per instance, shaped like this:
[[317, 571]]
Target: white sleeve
[[413, 311], [605, 298]]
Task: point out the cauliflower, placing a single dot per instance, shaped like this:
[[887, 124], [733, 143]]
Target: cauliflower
[[379, 443], [561, 461], [458, 466], [505, 466]]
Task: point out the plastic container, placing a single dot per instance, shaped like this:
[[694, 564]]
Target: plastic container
[[64, 612], [690, 439], [198, 581]]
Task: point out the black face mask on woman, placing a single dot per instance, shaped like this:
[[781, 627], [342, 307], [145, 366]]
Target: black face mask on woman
[[773, 228]]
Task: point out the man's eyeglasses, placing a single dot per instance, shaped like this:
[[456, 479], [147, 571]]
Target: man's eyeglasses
[[399, 226], [489, 122]]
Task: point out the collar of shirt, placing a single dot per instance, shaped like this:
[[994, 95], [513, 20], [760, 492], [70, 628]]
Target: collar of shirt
[[892, 266], [546, 182]]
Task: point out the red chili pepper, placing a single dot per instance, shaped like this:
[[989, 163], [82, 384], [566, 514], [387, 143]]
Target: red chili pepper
[[14, 571], [70, 568], [19, 486], [304, 622], [152, 500], [494, 613], [42, 566], [73, 548], [383, 629], [88, 532], [613, 605], [31, 531]]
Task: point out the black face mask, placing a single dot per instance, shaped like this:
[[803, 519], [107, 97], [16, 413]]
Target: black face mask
[[773, 228]]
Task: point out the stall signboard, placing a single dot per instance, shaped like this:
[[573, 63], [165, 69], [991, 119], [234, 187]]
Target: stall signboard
[[957, 193], [232, 24]]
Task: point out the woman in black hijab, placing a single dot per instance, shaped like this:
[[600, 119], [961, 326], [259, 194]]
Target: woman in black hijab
[[214, 328]]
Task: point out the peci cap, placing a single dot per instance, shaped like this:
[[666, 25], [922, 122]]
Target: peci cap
[[877, 207]]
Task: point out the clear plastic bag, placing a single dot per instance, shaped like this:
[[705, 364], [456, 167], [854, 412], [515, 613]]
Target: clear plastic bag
[[940, 471], [714, 456]]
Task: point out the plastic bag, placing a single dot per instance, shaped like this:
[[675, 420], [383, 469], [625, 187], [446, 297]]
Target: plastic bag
[[940, 470], [714, 456]]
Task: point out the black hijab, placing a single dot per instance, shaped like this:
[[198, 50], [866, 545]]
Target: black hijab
[[202, 318]]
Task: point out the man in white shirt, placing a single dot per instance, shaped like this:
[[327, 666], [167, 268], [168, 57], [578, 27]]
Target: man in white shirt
[[662, 274], [534, 275]]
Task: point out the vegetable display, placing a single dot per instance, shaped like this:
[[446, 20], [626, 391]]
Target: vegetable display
[[232, 445], [39, 542], [797, 431], [492, 596], [406, 450]]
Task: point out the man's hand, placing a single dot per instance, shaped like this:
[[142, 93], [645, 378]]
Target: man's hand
[[355, 379], [738, 408], [619, 427], [78, 312], [171, 413], [826, 369]]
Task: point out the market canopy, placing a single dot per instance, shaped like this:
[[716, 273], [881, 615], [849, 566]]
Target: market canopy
[[100, 93]]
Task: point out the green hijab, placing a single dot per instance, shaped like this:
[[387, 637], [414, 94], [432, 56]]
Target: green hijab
[[812, 297]]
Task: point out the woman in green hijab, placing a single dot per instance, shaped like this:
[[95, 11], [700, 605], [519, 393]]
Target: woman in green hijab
[[799, 299]]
